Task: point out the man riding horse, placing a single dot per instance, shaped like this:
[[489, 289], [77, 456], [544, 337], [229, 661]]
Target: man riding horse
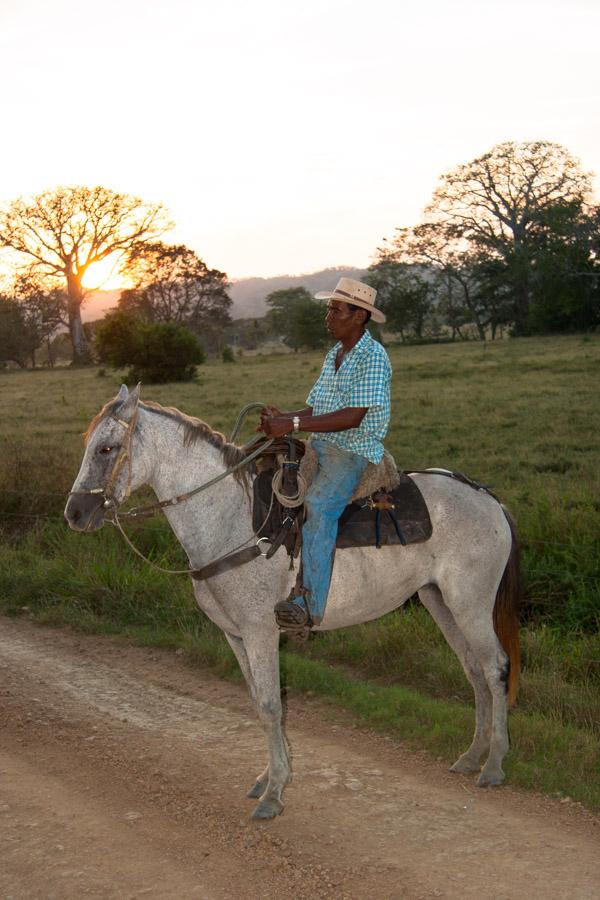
[[349, 408]]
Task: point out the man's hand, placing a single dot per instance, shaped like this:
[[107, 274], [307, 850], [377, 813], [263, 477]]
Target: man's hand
[[275, 426], [268, 413]]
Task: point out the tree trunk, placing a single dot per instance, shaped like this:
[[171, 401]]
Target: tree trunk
[[81, 351]]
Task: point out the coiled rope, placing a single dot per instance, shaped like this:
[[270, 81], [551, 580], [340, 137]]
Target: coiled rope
[[289, 502]]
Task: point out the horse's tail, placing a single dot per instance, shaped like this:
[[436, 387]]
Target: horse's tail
[[506, 612]]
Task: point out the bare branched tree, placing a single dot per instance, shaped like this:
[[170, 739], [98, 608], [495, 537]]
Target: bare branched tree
[[61, 233]]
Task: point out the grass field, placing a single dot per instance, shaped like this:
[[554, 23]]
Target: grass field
[[519, 415]]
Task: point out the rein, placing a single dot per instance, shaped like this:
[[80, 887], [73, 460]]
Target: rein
[[229, 560]]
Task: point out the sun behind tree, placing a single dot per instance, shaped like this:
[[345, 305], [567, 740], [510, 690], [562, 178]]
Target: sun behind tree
[[64, 232], [107, 275]]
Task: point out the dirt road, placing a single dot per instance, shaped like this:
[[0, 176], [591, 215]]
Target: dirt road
[[123, 773]]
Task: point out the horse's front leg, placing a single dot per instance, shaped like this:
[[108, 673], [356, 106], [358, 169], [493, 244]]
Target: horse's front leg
[[262, 652], [237, 645]]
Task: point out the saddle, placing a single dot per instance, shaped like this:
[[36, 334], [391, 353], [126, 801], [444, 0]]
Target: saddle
[[393, 512]]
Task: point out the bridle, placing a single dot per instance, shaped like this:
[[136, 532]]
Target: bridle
[[123, 456], [235, 557]]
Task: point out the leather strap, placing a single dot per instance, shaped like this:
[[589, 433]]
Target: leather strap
[[228, 562]]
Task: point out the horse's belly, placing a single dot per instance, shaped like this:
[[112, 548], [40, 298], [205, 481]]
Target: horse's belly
[[367, 583]]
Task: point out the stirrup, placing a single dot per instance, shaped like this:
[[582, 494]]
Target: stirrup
[[290, 615], [293, 620]]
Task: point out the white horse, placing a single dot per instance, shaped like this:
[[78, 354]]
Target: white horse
[[466, 574]]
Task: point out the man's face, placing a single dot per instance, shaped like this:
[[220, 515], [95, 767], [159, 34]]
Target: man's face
[[343, 320]]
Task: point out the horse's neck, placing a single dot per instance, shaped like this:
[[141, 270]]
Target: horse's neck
[[213, 521]]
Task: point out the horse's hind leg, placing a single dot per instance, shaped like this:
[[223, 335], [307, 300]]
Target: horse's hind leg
[[237, 645], [470, 761], [262, 650], [473, 616]]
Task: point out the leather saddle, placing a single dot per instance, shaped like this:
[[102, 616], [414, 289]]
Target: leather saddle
[[396, 515]]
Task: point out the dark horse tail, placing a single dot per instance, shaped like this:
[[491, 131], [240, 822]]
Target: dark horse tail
[[506, 612]]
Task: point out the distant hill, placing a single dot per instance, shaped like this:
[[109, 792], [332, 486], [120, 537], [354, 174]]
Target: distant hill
[[248, 294]]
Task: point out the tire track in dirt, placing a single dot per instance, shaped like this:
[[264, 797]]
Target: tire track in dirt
[[123, 773]]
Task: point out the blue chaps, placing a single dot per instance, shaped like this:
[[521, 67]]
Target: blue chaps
[[338, 475]]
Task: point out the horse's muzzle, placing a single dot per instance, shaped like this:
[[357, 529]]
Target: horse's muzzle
[[85, 512]]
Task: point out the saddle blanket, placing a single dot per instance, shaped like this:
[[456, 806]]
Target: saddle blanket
[[398, 516]]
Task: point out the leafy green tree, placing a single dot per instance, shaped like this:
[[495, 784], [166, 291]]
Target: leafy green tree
[[116, 338], [493, 206], [43, 309], [65, 231], [172, 284], [406, 294], [14, 339], [297, 318], [156, 352], [566, 270]]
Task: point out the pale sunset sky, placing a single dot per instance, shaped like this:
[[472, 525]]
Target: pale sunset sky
[[287, 137]]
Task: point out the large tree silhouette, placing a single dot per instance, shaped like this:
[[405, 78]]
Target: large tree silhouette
[[61, 233], [494, 207], [173, 284]]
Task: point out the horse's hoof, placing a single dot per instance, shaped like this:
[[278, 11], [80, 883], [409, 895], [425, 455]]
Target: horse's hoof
[[258, 789], [490, 779], [267, 809], [465, 766]]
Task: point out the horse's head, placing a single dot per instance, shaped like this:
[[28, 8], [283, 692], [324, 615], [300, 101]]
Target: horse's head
[[110, 468]]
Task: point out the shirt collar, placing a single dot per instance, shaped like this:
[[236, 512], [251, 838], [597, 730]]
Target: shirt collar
[[360, 345]]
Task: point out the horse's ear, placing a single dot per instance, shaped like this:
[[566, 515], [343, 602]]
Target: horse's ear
[[123, 393], [131, 402]]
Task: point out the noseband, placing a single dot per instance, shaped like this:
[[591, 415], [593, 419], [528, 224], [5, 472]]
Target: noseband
[[123, 456]]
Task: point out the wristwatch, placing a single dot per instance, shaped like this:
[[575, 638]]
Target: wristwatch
[[296, 423]]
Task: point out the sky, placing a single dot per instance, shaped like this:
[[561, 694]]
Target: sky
[[287, 137]]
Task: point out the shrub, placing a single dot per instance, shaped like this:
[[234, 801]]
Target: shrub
[[227, 354], [155, 352]]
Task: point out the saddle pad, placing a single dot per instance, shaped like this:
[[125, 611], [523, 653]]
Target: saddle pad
[[361, 526]]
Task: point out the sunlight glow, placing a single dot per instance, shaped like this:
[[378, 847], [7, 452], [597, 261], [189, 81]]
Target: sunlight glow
[[106, 275]]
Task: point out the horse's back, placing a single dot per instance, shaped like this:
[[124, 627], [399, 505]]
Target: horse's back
[[470, 542]]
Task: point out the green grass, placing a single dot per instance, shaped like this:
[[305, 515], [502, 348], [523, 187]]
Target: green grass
[[519, 415]]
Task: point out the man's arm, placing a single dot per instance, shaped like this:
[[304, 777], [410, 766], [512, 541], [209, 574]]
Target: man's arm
[[340, 420]]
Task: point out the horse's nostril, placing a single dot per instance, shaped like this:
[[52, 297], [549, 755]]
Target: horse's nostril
[[76, 515]]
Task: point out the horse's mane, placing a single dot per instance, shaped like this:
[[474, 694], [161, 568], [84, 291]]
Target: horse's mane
[[194, 429]]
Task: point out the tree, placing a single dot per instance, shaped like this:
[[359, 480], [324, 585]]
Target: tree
[[405, 293], [43, 309], [455, 267], [172, 284], [297, 318], [65, 231], [492, 207], [157, 352], [566, 270], [14, 340]]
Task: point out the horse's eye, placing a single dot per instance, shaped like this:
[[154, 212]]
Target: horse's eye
[[106, 450]]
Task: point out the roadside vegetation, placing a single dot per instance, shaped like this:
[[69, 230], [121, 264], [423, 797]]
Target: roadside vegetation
[[520, 415]]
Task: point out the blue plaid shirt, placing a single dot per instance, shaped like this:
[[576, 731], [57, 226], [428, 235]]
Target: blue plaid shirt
[[363, 379]]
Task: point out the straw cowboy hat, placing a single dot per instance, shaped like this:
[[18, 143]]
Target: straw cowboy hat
[[356, 293]]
